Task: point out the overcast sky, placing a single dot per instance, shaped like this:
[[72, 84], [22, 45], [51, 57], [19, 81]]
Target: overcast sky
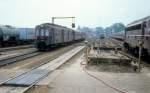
[[92, 13]]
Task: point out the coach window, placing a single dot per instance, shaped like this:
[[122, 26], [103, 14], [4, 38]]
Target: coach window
[[146, 37], [149, 23], [135, 37], [44, 32], [39, 32], [68, 34], [138, 26]]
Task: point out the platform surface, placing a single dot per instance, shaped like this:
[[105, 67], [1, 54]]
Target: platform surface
[[36, 74], [73, 79]]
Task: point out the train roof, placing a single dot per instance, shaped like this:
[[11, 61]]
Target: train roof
[[54, 25], [140, 21], [6, 26]]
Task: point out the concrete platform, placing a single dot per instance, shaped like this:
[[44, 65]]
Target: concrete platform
[[73, 79], [42, 71], [100, 56]]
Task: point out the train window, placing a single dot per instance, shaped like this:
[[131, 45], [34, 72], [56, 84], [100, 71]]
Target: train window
[[148, 23], [52, 29], [146, 37], [38, 32], [136, 27], [47, 32], [42, 32]]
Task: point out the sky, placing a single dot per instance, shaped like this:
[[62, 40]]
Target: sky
[[91, 13]]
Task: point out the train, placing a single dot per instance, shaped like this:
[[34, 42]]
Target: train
[[137, 34], [12, 36], [49, 35], [119, 36], [26, 35]]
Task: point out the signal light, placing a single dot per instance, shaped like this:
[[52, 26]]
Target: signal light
[[73, 25]]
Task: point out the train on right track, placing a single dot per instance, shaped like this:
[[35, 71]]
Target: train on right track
[[136, 33]]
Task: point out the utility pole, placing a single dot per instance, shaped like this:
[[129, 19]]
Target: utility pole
[[73, 20], [99, 45], [86, 51], [140, 52], [141, 42]]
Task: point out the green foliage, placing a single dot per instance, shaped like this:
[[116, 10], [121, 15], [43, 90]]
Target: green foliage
[[100, 31], [117, 27]]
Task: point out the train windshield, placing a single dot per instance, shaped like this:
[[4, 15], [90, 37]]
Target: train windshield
[[46, 32], [42, 32]]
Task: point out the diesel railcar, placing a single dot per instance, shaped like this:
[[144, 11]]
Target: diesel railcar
[[138, 33], [48, 35]]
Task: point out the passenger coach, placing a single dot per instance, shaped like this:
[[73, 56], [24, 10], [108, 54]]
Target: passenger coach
[[138, 32]]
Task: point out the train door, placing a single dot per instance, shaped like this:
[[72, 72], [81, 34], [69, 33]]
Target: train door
[[62, 35], [68, 36], [52, 36], [1, 41], [73, 33]]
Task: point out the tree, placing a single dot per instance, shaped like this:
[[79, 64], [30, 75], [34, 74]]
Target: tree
[[118, 27]]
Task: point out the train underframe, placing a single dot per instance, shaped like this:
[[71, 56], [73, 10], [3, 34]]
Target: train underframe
[[42, 46], [14, 42], [135, 50]]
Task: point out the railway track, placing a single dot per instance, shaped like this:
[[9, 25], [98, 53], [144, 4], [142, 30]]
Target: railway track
[[25, 81], [15, 58], [133, 58], [15, 48], [23, 66]]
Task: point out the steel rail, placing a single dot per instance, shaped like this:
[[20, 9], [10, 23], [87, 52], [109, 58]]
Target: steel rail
[[26, 89], [10, 60], [16, 48]]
